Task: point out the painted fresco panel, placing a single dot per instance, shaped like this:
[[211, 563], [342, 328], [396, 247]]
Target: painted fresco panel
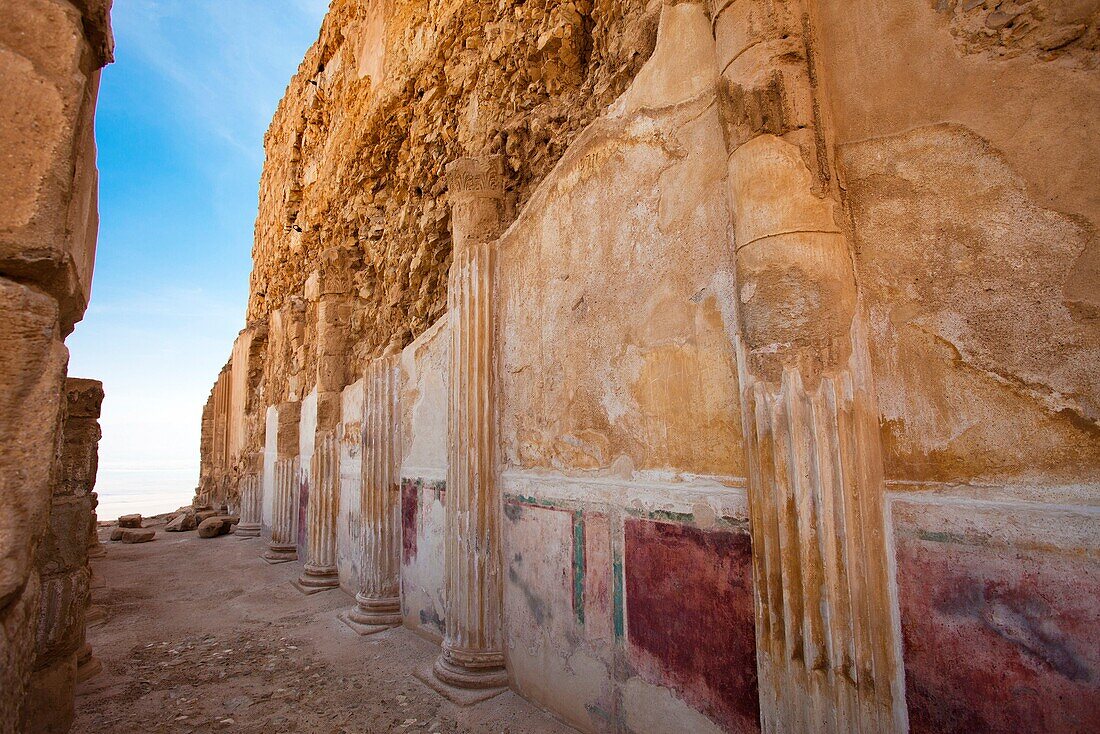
[[689, 616], [597, 577], [1000, 619], [409, 504], [422, 568], [544, 612]]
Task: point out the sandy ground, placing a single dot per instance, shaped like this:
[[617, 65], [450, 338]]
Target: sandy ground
[[203, 636]]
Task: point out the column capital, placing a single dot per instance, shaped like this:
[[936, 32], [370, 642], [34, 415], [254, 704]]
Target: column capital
[[475, 176], [475, 189]]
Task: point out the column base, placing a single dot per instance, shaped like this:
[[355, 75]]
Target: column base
[[87, 665], [97, 551], [251, 530], [370, 616], [94, 615], [48, 701], [279, 553], [315, 579], [462, 696], [470, 668]]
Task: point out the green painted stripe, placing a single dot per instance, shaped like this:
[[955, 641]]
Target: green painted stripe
[[578, 566], [533, 501], [978, 539], [684, 517]]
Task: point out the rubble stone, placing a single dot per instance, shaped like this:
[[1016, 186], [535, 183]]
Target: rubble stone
[[212, 527], [138, 535], [181, 523]]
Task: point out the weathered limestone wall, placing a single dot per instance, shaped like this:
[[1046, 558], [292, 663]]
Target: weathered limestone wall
[[424, 478], [50, 55], [968, 150], [62, 560], [233, 430], [624, 467], [393, 90], [787, 328], [525, 78]]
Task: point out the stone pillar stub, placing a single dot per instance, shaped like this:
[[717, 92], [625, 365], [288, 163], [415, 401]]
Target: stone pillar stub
[[251, 493], [320, 573], [63, 567], [827, 646], [283, 546]]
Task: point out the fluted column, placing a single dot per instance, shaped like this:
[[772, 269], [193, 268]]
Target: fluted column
[[378, 602], [95, 548], [320, 572], [827, 646], [284, 510], [472, 655], [251, 507], [284, 518]]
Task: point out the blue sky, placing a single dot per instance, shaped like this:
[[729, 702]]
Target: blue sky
[[182, 114]]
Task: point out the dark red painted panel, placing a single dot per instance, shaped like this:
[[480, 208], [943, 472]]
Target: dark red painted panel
[[303, 506], [409, 490], [689, 610], [999, 639]]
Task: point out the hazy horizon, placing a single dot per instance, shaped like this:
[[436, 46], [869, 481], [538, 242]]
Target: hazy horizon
[[180, 124]]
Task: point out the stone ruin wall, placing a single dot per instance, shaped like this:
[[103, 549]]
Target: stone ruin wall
[[51, 53], [935, 159], [387, 95], [354, 155]]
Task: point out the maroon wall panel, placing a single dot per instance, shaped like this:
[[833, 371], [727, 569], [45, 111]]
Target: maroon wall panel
[[689, 611]]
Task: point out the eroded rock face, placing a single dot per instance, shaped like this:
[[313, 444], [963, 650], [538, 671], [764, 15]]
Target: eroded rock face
[[50, 55], [1051, 30], [391, 92], [62, 560]]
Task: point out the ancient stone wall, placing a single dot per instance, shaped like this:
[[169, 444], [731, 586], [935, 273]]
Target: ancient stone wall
[[63, 563], [764, 393], [50, 55], [391, 91], [352, 199]]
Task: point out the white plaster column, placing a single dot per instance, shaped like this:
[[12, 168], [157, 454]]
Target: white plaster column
[[378, 602], [320, 572], [251, 499], [828, 649], [284, 525], [472, 655]]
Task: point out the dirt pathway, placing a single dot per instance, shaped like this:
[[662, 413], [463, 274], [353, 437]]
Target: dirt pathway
[[203, 636]]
